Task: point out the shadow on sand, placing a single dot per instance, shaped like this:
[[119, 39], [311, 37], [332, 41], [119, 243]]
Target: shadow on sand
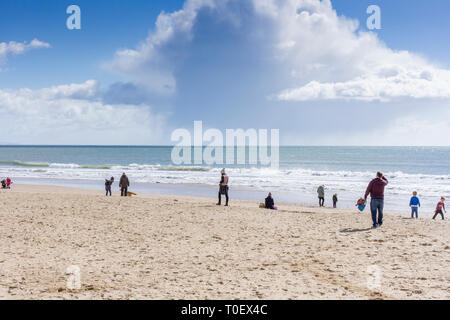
[[349, 230]]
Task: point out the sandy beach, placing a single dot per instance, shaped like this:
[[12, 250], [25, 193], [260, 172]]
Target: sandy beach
[[178, 247]]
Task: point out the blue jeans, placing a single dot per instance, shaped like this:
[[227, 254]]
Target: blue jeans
[[377, 205], [415, 210]]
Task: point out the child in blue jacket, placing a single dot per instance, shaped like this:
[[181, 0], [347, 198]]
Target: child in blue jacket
[[414, 203]]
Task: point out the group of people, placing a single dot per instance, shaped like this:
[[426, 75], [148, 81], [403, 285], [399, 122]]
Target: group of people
[[269, 203], [321, 195], [6, 183], [376, 191], [124, 184], [414, 203]]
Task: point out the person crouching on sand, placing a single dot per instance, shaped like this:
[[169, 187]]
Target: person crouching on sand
[[223, 187], [440, 209], [108, 184], [414, 203], [8, 183], [123, 185], [270, 204]]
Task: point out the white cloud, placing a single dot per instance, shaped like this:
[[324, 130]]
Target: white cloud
[[332, 59], [72, 114], [16, 48]]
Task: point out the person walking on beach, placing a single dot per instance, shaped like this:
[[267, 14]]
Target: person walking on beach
[[335, 200], [439, 208], [223, 187], [108, 184], [123, 185], [376, 191], [321, 195], [414, 203]]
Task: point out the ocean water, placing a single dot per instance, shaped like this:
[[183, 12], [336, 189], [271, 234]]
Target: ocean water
[[343, 170]]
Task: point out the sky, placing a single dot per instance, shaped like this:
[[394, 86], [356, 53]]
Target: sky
[[137, 70]]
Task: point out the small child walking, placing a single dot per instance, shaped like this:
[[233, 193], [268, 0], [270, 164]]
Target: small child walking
[[335, 200], [440, 209], [414, 203]]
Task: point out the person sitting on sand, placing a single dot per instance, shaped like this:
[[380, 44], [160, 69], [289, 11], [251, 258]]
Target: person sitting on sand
[[270, 204], [321, 195], [223, 187], [8, 183], [335, 200], [376, 191], [439, 208], [361, 204], [414, 203], [108, 184], [3, 184], [123, 185]]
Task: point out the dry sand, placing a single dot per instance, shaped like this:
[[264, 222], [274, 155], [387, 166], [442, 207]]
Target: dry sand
[[175, 247]]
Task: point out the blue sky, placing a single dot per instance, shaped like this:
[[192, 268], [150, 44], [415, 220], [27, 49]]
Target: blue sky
[[230, 64]]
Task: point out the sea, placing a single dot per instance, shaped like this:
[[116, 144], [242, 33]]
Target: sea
[[345, 171]]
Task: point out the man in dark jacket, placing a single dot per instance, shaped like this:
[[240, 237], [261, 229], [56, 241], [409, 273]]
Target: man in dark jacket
[[376, 191], [124, 184]]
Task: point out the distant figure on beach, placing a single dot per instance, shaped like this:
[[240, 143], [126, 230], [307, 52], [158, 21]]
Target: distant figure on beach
[[414, 203], [440, 209], [123, 185], [4, 184], [8, 183], [321, 195], [376, 191], [223, 187], [270, 204], [108, 184], [335, 200]]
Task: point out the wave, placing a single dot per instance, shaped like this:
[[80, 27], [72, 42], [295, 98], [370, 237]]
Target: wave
[[25, 164], [133, 166], [285, 174], [17, 163]]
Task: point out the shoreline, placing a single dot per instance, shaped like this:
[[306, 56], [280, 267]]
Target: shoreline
[[209, 191]]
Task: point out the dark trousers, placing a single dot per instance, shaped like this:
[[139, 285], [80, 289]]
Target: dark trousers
[[438, 212], [321, 201], [108, 190], [334, 204], [124, 192], [415, 211], [226, 196], [377, 205]]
